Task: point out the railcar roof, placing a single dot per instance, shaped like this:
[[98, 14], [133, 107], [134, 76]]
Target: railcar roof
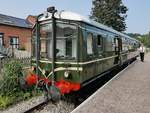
[[68, 15]]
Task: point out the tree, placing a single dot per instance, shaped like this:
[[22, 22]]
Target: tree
[[145, 38], [110, 12]]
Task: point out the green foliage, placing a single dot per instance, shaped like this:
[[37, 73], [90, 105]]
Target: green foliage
[[5, 101], [11, 73], [110, 12], [9, 86], [10, 90], [134, 35], [22, 48], [145, 39]]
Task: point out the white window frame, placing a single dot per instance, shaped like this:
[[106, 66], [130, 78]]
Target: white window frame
[[1, 39], [90, 43], [15, 43]]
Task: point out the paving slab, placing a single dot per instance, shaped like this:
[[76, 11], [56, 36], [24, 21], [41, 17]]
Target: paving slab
[[129, 92]]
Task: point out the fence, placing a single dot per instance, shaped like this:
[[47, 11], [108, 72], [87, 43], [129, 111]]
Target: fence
[[21, 54], [5, 51], [14, 52], [25, 61]]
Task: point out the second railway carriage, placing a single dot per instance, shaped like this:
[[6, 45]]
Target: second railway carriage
[[76, 50]]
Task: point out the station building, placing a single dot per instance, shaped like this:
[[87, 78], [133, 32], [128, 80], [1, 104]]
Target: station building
[[16, 32]]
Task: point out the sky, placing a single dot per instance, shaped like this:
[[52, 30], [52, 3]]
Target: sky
[[138, 19]]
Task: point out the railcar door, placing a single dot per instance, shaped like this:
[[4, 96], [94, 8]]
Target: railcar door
[[118, 49]]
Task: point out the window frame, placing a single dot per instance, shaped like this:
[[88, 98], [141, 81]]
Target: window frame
[[14, 45], [99, 47], [67, 39], [57, 39], [92, 37], [2, 34]]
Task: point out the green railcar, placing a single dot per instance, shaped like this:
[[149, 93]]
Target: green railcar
[[71, 50]]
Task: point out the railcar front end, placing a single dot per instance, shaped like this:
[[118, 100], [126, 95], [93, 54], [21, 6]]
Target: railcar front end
[[55, 55]]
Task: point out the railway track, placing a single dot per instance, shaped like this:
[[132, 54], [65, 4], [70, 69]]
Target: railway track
[[40, 105], [74, 99], [50, 107]]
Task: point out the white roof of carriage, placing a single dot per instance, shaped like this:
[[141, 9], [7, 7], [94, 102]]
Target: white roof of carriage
[[77, 17]]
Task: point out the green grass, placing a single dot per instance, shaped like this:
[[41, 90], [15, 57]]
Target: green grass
[[5, 101]]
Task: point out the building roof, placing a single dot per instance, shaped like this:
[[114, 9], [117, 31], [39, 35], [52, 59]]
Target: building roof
[[13, 21]]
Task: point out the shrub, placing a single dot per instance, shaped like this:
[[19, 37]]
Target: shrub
[[22, 48], [11, 73], [5, 101], [10, 90]]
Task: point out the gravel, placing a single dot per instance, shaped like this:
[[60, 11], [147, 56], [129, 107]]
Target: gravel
[[24, 105], [59, 107]]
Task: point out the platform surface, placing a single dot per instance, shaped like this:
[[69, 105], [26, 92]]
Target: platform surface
[[129, 92]]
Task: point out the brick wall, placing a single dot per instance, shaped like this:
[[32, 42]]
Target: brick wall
[[24, 35]]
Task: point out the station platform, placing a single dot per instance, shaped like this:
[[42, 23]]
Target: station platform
[[127, 92]]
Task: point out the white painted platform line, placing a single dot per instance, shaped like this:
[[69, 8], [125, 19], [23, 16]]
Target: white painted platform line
[[82, 104]]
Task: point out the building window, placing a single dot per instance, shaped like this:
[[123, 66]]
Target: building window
[[1, 39], [14, 42]]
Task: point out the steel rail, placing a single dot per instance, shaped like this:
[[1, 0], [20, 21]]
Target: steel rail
[[41, 104]]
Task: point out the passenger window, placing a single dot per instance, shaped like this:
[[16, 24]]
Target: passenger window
[[99, 40], [99, 43], [89, 43], [116, 42]]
